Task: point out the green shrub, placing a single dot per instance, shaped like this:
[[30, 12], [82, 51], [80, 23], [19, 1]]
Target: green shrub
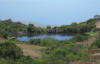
[[10, 50], [22, 60], [44, 42], [49, 42], [79, 38], [65, 53], [35, 41], [96, 44]]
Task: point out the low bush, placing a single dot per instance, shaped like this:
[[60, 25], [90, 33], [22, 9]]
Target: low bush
[[44, 42], [9, 50], [96, 44], [79, 38], [35, 41], [65, 53], [22, 60]]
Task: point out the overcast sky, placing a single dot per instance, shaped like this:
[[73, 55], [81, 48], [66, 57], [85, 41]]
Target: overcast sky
[[49, 12]]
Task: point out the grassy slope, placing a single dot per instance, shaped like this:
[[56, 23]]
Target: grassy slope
[[36, 52], [33, 51], [94, 53]]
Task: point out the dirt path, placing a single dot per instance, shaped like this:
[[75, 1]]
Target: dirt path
[[87, 43], [95, 53], [31, 50]]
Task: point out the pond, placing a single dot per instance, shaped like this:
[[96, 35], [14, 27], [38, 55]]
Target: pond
[[54, 36]]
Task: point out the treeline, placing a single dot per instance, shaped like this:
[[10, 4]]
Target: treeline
[[83, 27], [73, 28], [10, 28]]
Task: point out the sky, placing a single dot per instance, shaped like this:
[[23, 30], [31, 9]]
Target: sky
[[49, 12]]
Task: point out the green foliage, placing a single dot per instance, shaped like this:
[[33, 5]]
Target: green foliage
[[44, 42], [57, 52], [48, 27], [92, 34], [60, 52], [22, 60], [96, 44], [30, 28], [49, 42], [10, 28], [35, 41], [65, 53], [9, 50], [74, 27], [97, 17], [79, 38]]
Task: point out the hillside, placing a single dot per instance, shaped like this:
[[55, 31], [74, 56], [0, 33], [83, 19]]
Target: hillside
[[83, 48]]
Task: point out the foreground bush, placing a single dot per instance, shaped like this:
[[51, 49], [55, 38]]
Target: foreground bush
[[22, 60], [64, 54], [9, 50]]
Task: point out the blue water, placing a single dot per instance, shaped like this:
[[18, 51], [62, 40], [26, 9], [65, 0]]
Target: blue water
[[57, 37]]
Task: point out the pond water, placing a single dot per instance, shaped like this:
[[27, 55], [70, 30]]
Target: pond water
[[55, 36]]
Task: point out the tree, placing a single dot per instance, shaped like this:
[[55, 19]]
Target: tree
[[97, 17], [48, 27], [30, 28]]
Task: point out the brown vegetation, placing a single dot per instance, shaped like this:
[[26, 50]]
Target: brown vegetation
[[33, 51]]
